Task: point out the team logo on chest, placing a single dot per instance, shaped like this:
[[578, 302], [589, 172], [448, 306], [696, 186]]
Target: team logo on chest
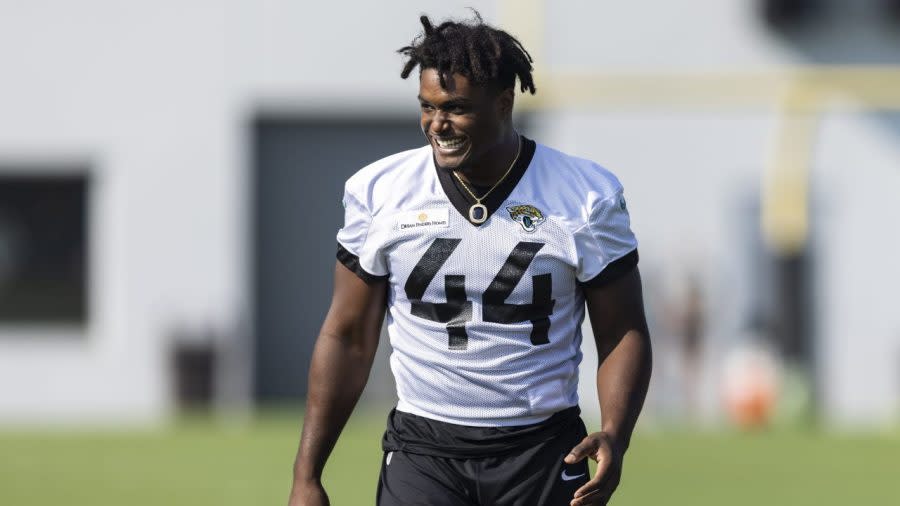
[[526, 215]]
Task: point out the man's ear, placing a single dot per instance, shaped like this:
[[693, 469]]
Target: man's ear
[[505, 101]]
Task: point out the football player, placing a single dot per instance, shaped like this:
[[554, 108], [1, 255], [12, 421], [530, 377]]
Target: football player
[[483, 247]]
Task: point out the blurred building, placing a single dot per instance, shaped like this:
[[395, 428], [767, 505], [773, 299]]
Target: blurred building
[[171, 174]]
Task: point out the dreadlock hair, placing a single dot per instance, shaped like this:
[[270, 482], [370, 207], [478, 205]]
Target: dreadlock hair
[[482, 53]]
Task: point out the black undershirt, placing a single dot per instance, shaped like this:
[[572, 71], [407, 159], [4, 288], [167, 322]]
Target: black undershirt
[[477, 189], [411, 433]]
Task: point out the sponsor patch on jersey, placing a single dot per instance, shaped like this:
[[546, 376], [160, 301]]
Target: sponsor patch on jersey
[[526, 215], [424, 218]]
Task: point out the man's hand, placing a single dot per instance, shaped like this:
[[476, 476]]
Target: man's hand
[[308, 494], [608, 453]]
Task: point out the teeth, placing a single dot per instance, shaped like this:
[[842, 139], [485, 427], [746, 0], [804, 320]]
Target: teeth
[[450, 143]]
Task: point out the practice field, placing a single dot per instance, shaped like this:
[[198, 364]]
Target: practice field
[[198, 462]]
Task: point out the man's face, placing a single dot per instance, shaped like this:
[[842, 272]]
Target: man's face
[[463, 122]]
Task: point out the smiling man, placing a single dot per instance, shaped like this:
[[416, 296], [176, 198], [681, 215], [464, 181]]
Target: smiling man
[[484, 247]]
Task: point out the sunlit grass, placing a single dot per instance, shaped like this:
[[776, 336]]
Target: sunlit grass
[[199, 461]]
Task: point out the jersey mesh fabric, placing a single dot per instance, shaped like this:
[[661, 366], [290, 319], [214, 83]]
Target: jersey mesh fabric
[[468, 306]]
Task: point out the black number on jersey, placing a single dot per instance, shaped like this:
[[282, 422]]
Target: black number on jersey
[[458, 310], [538, 312]]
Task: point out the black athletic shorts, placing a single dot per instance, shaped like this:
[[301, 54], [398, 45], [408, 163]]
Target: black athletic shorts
[[433, 463]]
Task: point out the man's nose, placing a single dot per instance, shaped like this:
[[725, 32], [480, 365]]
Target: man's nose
[[439, 123]]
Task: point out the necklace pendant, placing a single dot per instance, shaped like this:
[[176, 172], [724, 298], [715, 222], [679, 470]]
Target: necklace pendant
[[478, 213]]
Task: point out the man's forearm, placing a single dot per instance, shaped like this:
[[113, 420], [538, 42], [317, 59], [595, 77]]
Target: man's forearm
[[623, 377], [338, 374]]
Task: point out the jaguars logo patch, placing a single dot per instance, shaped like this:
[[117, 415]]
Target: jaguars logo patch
[[526, 215]]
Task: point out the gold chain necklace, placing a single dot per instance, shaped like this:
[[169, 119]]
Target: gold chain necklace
[[478, 213]]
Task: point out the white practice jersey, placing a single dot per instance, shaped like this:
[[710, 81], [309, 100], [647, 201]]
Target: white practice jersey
[[485, 320]]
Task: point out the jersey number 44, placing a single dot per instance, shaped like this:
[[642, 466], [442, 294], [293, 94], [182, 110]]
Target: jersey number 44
[[458, 309]]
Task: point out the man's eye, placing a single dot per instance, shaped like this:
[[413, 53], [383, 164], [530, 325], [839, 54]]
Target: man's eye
[[426, 107]]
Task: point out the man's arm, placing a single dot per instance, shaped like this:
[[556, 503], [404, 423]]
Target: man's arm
[[340, 367], [620, 330]]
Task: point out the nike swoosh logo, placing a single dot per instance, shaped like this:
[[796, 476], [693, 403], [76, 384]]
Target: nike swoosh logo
[[566, 477]]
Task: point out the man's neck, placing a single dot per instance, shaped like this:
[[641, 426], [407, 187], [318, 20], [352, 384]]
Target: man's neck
[[495, 164]]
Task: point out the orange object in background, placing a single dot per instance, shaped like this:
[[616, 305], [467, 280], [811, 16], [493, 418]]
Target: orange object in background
[[750, 387]]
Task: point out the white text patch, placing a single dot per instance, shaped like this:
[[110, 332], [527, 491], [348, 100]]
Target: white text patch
[[424, 218]]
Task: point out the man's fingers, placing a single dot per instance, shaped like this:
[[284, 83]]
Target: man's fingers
[[600, 488], [594, 492], [587, 446], [592, 498], [606, 479], [590, 488]]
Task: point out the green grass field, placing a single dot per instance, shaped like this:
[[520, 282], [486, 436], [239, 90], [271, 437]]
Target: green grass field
[[198, 462]]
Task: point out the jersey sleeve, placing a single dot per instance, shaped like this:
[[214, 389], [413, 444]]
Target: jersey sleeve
[[356, 250], [606, 246]]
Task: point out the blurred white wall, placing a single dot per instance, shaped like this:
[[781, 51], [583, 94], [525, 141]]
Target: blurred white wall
[[157, 97], [857, 175], [139, 91]]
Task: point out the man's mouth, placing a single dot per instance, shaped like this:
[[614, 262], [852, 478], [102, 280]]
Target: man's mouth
[[450, 144]]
